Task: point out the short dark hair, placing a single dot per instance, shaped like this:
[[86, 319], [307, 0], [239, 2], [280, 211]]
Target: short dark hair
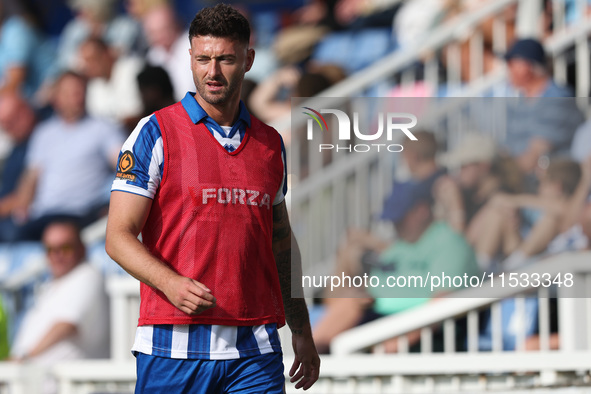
[[221, 20], [97, 42], [70, 73]]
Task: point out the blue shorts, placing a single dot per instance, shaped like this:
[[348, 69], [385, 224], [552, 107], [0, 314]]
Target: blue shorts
[[258, 374]]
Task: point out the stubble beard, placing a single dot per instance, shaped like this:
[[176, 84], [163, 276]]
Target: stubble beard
[[221, 97]]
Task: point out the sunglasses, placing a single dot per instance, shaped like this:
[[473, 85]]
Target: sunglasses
[[64, 249]]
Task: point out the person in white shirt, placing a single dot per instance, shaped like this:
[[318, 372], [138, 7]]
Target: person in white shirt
[[113, 92], [69, 162], [168, 47], [70, 318]]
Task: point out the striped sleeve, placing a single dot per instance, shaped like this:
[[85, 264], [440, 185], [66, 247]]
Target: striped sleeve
[[139, 168]]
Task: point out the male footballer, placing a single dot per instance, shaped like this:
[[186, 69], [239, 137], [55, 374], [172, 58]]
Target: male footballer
[[204, 183]]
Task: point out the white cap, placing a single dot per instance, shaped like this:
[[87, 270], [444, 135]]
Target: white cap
[[472, 148]]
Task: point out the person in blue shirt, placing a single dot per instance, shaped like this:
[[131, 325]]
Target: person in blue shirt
[[18, 120], [543, 120], [26, 55]]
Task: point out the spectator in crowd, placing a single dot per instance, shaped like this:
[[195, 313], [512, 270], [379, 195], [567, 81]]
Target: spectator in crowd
[[98, 18], [270, 100], [156, 90], [26, 55], [69, 319], [168, 47], [139, 8], [18, 120], [479, 172], [419, 160], [540, 123], [422, 245], [419, 157], [470, 162], [572, 228], [69, 163], [112, 90], [528, 74], [523, 225]]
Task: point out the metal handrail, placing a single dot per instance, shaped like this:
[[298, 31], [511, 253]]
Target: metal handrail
[[461, 303]]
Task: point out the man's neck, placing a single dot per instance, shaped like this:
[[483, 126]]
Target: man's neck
[[413, 236], [536, 87], [424, 170], [71, 118], [224, 114], [109, 71]]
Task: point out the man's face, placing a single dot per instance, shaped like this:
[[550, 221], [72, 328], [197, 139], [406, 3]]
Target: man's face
[[411, 227], [94, 62], [70, 97], [520, 71], [218, 66], [471, 174], [160, 27], [64, 248], [16, 117]]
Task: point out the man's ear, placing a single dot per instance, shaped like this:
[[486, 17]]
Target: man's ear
[[249, 58]]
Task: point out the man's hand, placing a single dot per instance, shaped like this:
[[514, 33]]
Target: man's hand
[[127, 214], [306, 364], [188, 295]]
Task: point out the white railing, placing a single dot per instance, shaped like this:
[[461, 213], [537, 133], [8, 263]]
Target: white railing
[[347, 371], [574, 318], [361, 373], [21, 379], [470, 373], [124, 296]]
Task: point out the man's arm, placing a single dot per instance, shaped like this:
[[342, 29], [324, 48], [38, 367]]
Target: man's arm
[[60, 331], [127, 215], [528, 160], [17, 203], [306, 365], [14, 79]]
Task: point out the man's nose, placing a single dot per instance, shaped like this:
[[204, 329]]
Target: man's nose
[[214, 68]]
